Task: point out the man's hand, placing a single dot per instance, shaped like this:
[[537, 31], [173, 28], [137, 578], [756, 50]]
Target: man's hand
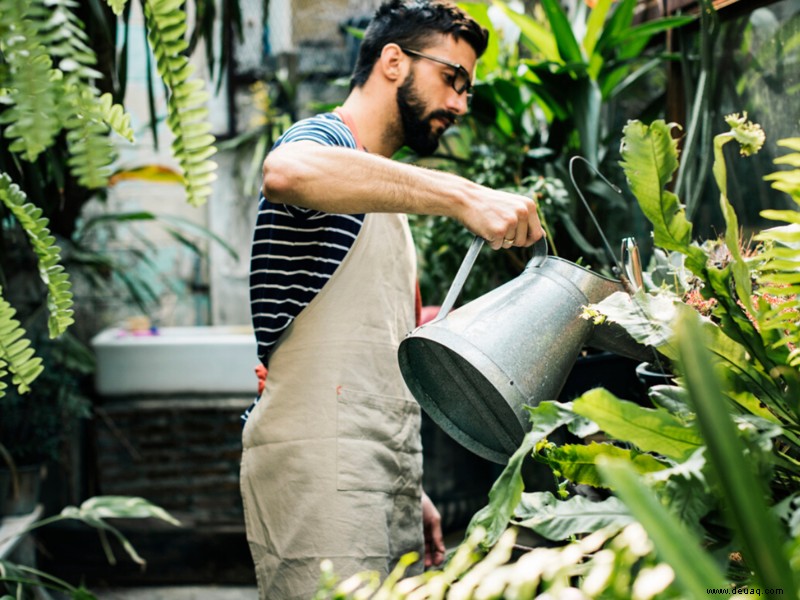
[[501, 218], [432, 524]]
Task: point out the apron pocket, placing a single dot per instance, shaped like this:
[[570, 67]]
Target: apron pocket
[[378, 446]]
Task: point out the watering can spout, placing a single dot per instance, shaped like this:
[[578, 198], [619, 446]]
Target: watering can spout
[[476, 369]]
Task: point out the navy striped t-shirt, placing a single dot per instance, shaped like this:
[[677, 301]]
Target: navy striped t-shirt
[[296, 250]]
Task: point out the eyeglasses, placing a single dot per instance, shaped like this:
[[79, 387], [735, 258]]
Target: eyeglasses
[[459, 81]]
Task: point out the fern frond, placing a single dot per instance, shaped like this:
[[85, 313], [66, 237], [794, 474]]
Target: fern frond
[[59, 295], [31, 92], [117, 6], [66, 40], [16, 354], [779, 273], [90, 147], [187, 114], [85, 116], [788, 181], [116, 117]]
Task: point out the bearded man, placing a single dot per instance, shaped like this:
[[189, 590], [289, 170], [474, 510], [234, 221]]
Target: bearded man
[[332, 459]]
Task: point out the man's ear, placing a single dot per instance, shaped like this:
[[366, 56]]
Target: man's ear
[[393, 63]]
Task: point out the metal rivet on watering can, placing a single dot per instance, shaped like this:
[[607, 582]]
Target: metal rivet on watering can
[[475, 369]]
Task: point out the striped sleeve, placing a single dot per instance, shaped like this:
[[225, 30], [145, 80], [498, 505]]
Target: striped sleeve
[[296, 251]]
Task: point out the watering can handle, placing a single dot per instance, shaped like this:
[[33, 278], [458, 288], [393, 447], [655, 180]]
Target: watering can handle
[[632, 263], [539, 256]]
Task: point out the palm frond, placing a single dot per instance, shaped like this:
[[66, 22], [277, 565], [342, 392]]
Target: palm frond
[[187, 114], [59, 295], [16, 354]]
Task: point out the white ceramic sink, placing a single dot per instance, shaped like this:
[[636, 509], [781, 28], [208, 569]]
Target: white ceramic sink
[[176, 360]]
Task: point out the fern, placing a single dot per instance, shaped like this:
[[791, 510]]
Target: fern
[[16, 354], [117, 6], [90, 147], [59, 296], [187, 115], [116, 117], [780, 271], [30, 92], [66, 41], [86, 116]]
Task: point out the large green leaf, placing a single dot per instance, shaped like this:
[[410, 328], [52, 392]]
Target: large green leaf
[[594, 25], [536, 35], [620, 22], [559, 520], [587, 101], [480, 12], [568, 47], [694, 569], [578, 462], [648, 318], [650, 430], [740, 490], [507, 490], [650, 159], [647, 30]]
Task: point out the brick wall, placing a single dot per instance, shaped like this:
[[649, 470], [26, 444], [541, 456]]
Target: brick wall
[[179, 453]]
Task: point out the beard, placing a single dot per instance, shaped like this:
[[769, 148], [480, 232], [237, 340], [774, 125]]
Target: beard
[[418, 133]]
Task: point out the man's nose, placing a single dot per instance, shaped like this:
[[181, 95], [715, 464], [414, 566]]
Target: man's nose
[[458, 103]]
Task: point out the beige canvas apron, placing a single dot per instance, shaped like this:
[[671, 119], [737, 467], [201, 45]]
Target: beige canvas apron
[[332, 459]]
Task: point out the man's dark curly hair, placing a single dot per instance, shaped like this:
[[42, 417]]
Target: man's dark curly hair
[[414, 24]]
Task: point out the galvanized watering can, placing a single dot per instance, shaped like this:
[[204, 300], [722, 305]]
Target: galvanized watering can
[[474, 369]]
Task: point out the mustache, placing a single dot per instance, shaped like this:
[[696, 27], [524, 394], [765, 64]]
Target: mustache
[[445, 115]]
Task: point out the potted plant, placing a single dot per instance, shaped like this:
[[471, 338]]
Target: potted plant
[[98, 512]]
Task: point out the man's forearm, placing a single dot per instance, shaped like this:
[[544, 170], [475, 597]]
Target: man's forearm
[[346, 181]]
